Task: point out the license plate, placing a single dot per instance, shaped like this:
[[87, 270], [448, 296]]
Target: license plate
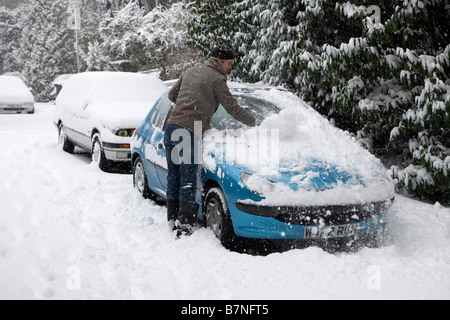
[[327, 232]]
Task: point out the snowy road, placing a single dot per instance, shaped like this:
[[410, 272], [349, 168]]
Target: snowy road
[[70, 231]]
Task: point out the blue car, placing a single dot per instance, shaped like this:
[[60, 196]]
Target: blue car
[[293, 177]]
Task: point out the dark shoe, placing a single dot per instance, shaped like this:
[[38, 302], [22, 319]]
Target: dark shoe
[[187, 218], [183, 230]]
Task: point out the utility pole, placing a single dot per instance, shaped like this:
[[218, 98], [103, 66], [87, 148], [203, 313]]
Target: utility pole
[[74, 23]]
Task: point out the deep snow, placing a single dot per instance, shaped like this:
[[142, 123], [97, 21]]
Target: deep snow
[[71, 231]]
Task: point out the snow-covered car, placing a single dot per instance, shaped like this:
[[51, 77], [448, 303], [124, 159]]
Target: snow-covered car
[[294, 176], [98, 112], [15, 96]]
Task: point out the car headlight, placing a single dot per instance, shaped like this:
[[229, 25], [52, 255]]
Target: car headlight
[[125, 132], [257, 184]]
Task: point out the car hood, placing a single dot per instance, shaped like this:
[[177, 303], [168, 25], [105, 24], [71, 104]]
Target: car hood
[[15, 96]]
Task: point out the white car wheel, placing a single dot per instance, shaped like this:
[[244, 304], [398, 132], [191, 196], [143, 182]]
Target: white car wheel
[[98, 155], [140, 179], [63, 141]]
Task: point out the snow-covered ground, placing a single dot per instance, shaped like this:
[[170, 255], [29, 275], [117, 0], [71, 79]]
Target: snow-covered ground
[[71, 231]]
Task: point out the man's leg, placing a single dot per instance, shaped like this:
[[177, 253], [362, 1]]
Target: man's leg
[[173, 177], [187, 215]]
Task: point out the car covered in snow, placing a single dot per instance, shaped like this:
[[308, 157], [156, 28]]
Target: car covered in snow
[[15, 96], [98, 112], [294, 176]]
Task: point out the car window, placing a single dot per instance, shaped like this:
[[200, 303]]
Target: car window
[[162, 109], [258, 107]]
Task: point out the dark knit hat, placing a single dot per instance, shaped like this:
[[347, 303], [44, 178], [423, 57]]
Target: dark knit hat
[[222, 53]]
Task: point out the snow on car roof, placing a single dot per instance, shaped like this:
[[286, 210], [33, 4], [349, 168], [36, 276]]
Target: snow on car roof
[[111, 86]]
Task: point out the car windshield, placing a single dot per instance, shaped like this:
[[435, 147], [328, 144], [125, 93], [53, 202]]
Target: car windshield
[[259, 108]]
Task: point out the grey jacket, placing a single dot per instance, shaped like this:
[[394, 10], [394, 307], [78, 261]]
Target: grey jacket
[[197, 95]]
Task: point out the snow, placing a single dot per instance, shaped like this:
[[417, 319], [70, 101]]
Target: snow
[[71, 231]]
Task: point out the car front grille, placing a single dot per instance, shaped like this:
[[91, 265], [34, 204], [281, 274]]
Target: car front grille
[[318, 215]]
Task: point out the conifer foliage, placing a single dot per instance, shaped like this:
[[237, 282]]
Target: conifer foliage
[[45, 48], [378, 69]]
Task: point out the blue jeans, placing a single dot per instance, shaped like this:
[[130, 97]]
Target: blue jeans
[[182, 163]]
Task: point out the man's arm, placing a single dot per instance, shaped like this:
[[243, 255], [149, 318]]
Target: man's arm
[[173, 93], [230, 104]]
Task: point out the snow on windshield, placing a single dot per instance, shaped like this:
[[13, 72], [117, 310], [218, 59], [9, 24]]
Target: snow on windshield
[[259, 108]]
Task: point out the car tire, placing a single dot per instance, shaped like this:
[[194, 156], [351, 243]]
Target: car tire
[[217, 217], [140, 179], [63, 141], [98, 155]]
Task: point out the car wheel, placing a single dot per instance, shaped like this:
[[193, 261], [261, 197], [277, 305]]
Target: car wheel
[[63, 141], [98, 155], [140, 179], [217, 217]]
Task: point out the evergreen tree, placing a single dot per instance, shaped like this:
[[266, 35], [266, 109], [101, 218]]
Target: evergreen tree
[[46, 47], [153, 40], [10, 32], [211, 23]]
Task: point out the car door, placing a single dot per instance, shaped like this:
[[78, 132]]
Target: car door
[[155, 151], [75, 118]]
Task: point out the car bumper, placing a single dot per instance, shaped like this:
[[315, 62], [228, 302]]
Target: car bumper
[[16, 108], [117, 152], [325, 222]]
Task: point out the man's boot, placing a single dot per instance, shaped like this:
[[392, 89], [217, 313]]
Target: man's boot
[[173, 207], [187, 218]]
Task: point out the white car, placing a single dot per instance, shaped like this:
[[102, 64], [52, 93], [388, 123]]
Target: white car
[[15, 96], [99, 111]]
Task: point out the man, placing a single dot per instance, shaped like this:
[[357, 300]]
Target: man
[[196, 95]]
